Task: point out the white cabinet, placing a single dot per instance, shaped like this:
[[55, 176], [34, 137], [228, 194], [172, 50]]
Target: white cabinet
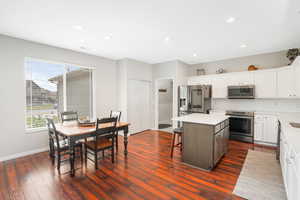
[[265, 129], [286, 83], [297, 80], [240, 78], [290, 173], [200, 80], [265, 84], [259, 128], [219, 86]]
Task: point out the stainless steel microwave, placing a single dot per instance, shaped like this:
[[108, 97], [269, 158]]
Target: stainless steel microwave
[[241, 92]]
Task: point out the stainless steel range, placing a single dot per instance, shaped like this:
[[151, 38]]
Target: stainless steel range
[[241, 125]]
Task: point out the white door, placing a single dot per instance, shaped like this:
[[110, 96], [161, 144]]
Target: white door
[[265, 84], [285, 82], [139, 115]]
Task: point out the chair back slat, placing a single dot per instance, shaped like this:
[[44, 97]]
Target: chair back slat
[[116, 114], [69, 116], [53, 134], [106, 127]]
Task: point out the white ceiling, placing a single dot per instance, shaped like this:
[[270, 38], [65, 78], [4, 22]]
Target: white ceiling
[[137, 28]]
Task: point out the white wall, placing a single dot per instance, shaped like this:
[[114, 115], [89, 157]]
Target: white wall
[[12, 90], [165, 101], [263, 61], [129, 69], [176, 70]]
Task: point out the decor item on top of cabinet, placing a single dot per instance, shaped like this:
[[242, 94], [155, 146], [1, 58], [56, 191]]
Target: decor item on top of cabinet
[[292, 54], [252, 68], [220, 70], [200, 72]]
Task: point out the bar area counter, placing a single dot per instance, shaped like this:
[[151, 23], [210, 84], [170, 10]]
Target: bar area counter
[[205, 139]]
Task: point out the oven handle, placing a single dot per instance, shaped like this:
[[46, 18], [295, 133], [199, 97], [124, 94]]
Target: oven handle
[[243, 117]]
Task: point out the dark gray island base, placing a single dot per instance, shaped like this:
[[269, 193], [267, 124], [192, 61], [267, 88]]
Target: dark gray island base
[[204, 144]]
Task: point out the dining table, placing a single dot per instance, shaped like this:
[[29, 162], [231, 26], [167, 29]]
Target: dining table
[[74, 132]]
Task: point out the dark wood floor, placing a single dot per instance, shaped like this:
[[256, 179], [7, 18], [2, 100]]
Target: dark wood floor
[[147, 173]]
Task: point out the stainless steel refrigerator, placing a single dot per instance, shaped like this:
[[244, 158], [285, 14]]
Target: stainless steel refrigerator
[[194, 99]]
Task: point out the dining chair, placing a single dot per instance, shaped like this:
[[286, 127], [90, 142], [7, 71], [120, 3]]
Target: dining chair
[[59, 146], [104, 139], [116, 114], [177, 132], [69, 116]]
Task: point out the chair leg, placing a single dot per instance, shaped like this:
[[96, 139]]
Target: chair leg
[[103, 154], [173, 143], [117, 145], [181, 143], [113, 154], [81, 154], [58, 162], [96, 159], [85, 154]]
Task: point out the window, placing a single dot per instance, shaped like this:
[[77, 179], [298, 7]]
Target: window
[[52, 88]]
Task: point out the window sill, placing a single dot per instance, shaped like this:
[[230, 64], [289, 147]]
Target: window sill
[[36, 130]]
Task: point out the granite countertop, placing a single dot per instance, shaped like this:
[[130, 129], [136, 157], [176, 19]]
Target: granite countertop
[[199, 118]]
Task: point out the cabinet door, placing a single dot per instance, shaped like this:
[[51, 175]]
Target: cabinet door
[[219, 86], [218, 149], [226, 139], [285, 83], [241, 78], [297, 80], [271, 129], [265, 84], [259, 128], [199, 80]]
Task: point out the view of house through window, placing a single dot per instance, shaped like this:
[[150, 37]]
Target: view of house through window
[[53, 88]]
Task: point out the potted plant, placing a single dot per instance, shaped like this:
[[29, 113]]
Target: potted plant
[[292, 54]]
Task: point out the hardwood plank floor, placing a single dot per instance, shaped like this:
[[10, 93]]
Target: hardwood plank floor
[[147, 173]]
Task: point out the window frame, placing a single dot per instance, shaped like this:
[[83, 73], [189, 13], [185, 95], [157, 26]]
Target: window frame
[[66, 65]]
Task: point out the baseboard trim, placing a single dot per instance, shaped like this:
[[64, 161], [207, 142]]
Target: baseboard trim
[[26, 153]]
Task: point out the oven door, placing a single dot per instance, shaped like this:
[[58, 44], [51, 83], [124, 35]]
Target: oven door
[[241, 125]]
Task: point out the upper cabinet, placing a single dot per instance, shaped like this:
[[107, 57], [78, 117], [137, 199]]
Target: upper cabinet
[[199, 80], [219, 86], [281, 82], [285, 82], [240, 78], [265, 84]]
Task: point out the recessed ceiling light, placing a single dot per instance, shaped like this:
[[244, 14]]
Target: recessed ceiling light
[[195, 55], [230, 20], [77, 27], [243, 46], [108, 37], [167, 39], [82, 41]]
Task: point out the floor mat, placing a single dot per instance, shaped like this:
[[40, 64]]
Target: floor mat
[[260, 178]]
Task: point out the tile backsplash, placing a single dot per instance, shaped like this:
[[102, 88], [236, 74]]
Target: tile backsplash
[[274, 105]]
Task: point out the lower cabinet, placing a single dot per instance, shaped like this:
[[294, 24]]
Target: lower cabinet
[[265, 129], [221, 139], [290, 174]]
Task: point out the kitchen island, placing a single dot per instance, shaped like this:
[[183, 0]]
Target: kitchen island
[[205, 139]]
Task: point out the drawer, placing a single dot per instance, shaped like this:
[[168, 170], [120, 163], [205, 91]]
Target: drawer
[[217, 128], [226, 122]]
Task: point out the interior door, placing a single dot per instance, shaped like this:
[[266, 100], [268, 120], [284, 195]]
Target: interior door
[[139, 114]]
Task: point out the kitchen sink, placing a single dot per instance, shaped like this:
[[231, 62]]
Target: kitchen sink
[[295, 125]]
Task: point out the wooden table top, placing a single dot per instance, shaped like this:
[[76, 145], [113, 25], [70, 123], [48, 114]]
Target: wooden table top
[[72, 129]]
